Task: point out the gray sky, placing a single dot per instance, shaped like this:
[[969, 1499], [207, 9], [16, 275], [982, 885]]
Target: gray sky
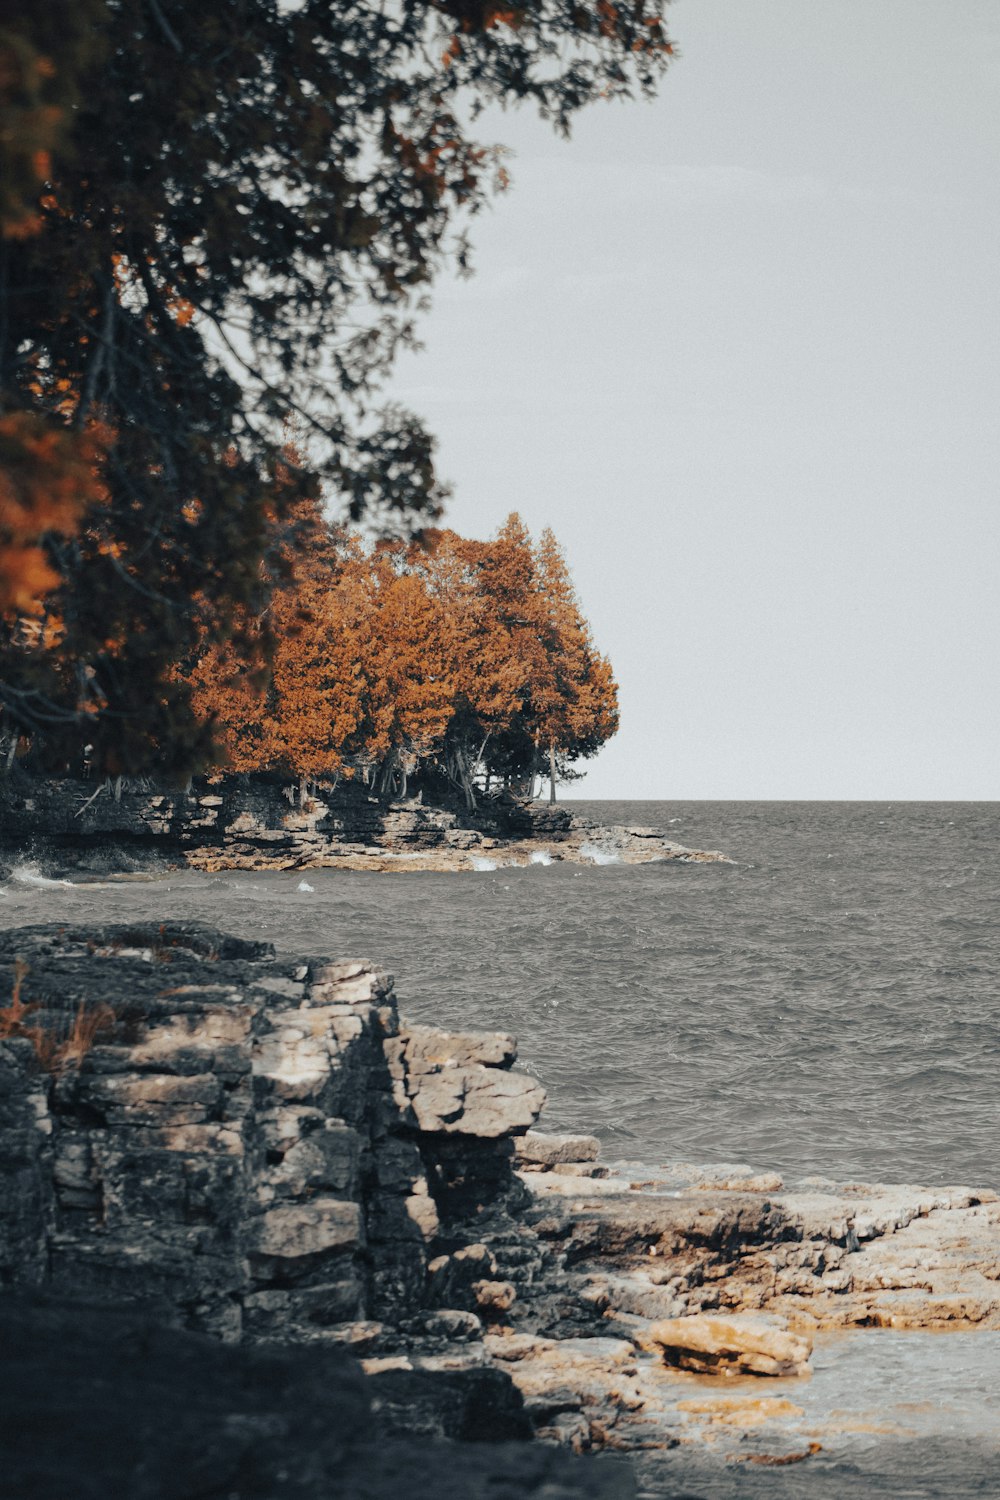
[[740, 348]]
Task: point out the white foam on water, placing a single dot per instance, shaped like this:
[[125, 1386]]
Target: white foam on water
[[599, 856], [304, 885], [541, 857], [479, 863], [31, 875]]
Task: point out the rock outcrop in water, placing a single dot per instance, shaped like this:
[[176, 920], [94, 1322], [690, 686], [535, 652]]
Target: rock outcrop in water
[[259, 823], [261, 1151]]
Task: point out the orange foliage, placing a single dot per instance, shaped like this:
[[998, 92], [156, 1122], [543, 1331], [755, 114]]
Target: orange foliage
[[410, 656], [57, 1047], [29, 128], [48, 475]]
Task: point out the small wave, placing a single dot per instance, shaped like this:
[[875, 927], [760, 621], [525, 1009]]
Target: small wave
[[31, 875], [479, 863], [599, 856], [304, 885], [541, 857]]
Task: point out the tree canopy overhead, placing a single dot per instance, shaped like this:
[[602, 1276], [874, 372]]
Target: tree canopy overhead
[[216, 217]]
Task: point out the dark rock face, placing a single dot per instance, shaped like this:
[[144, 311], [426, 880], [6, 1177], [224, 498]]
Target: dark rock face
[[101, 1402]]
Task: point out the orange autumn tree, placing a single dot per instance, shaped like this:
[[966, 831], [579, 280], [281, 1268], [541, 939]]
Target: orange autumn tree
[[407, 661], [485, 592], [575, 696], [314, 705], [451, 662], [316, 701], [504, 654], [227, 695], [283, 694]]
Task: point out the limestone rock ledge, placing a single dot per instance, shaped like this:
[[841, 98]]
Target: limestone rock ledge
[[252, 1141], [722, 1272], [205, 1149], [259, 823]]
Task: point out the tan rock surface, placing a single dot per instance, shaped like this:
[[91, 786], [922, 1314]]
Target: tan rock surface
[[737, 1344]]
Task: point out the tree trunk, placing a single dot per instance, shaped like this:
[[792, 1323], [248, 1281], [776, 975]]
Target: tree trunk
[[552, 771], [465, 774]]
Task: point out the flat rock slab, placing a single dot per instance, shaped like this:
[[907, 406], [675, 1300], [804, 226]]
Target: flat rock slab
[[736, 1344], [538, 1149]]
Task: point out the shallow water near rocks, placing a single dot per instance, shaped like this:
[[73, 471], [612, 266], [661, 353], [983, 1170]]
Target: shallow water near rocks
[[827, 1005], [914, 1416]]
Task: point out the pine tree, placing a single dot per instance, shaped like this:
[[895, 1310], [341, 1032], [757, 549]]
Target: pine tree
[[574, 697]]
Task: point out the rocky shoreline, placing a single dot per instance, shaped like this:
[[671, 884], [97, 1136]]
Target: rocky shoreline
[[260, 823], [247, 1151]]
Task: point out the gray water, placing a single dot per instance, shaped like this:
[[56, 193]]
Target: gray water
[[828, 1004]]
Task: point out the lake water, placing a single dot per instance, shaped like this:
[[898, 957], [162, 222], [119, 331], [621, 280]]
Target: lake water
[[830, 1003], [827, 1004]]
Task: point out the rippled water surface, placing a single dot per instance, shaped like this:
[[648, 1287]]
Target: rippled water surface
[[829, 1003]]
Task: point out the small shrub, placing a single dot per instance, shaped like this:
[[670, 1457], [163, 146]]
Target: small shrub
[[58, 1047]]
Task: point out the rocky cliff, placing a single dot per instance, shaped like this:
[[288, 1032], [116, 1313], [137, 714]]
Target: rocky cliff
[[224, 1145], [259, 1144]]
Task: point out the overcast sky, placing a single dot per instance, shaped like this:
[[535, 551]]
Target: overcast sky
[[740, 348]]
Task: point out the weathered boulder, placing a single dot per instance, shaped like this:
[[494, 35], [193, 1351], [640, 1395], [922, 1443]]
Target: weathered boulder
[[732, 1344], [459, 1083], [536, 1149]]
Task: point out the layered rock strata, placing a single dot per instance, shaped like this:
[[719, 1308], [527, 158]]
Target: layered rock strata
[[261, 823], [248, 1140], [723, 1273]]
